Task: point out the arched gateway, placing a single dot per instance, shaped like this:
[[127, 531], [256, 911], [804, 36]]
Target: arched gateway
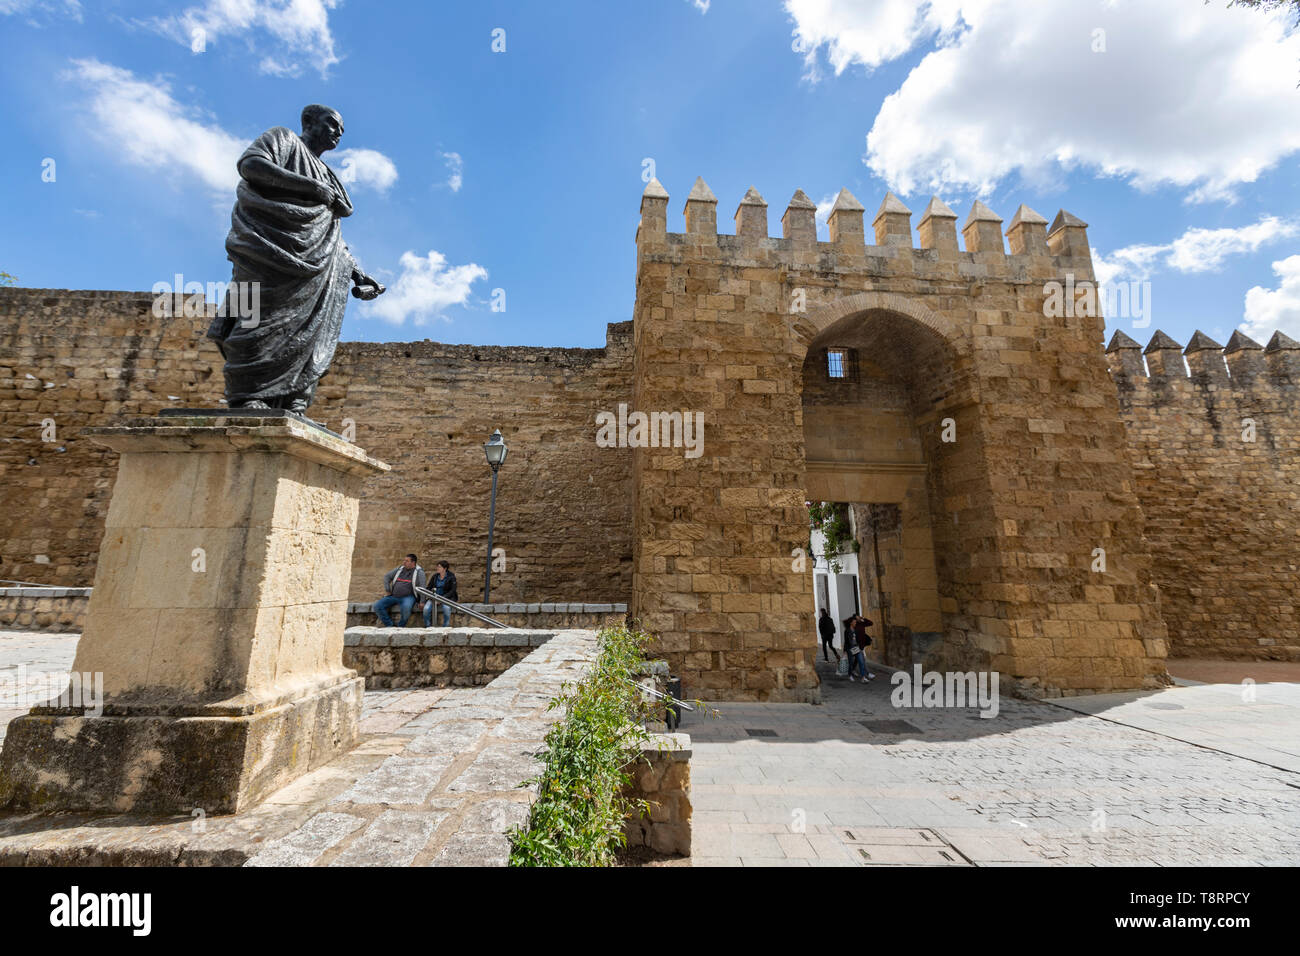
[[978, 437]]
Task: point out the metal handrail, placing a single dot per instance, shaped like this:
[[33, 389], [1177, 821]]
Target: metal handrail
[[435, 596]]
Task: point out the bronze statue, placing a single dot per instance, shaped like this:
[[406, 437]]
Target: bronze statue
[[285, 240]]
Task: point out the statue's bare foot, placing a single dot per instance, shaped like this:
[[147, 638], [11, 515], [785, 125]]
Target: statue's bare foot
[[253, 404]]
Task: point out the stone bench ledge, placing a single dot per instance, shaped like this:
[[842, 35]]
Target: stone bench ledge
[[51, 592], [359, 607], [445, 637]]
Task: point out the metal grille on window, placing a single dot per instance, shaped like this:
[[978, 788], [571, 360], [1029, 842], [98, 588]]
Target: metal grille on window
[[837, 365]]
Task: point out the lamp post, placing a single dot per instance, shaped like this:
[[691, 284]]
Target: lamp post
[[495, 449]]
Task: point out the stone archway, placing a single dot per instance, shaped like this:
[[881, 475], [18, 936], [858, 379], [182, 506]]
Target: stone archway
[[825, 319], [879, 380]]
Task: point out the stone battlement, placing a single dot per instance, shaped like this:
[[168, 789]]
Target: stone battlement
[[1035, 252], [1216, 457], [1243, 367]]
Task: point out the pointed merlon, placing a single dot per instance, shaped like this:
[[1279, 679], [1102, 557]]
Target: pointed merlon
[[892, 204], [847, 202], [800, 200], [1160, 343], [980, 213], [1241, 342], [1120, 341], [701, 192], [1064, 219], [752, 198], [654, 190], [1281, 343], [1200, 342], [937, 209], [1027, 216]]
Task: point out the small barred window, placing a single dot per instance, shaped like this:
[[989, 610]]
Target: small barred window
[[837, 363]]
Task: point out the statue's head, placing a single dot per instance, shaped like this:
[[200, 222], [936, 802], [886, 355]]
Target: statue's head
[[322, 128]]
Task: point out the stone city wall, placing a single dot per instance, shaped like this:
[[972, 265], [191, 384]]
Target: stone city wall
[[1037, 478], [73, 359], [1216, 458]]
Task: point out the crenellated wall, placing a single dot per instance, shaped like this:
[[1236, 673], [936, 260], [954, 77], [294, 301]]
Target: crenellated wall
[[71, 359], [985, 421], [1216, 458], [1035, 479]]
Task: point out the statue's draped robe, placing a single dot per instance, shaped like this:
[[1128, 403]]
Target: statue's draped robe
[[293, 248]]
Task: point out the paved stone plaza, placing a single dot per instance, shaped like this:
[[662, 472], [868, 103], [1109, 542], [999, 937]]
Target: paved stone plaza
[[435, 781], [1186, 776], [1189, 775]]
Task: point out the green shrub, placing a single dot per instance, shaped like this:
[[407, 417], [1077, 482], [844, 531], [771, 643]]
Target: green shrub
[[582, 805]]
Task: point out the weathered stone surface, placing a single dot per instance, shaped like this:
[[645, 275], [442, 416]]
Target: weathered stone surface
[[393, 839], [107, 356], [159, 764], [1216, 457], [216, 624]]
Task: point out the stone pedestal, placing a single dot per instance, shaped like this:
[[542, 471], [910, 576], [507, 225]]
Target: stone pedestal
[[216, 620]]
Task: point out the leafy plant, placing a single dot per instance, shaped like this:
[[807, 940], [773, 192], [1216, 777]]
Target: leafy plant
[[7, 279], [582, 803], [832, 520]]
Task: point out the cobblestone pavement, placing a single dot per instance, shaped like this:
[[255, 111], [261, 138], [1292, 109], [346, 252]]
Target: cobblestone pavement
[[798, 785], [435, 781], [1189, 775]]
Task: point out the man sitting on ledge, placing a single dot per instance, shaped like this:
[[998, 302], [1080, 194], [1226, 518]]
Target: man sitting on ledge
[[399, 591]]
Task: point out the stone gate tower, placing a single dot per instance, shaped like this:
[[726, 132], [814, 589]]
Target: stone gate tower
[[983, 418]]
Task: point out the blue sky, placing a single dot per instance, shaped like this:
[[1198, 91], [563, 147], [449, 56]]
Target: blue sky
[[1171, 127]]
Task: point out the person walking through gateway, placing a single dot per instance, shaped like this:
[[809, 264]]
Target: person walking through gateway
[[444, 584], [861, 639], [399, 591], [826, 627]]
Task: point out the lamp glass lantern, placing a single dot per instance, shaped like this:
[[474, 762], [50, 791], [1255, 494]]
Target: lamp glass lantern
[[496, 450]]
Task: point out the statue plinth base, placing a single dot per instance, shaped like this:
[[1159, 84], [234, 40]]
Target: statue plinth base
[[216, 622]]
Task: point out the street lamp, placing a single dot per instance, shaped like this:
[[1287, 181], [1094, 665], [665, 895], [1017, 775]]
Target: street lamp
[[495, 449]]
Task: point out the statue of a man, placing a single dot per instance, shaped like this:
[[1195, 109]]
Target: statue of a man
[[285, 238]]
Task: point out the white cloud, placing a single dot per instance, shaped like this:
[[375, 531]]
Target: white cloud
[[1196, 250], [455, 170], [364, 167], [701, 5], [823, 214], [149, 128], [425, 287], [141, 121], [1203, 250], [1131, 262], [67, 8], [299, 30], [867, 34], [1198, 96], [1270, 310]]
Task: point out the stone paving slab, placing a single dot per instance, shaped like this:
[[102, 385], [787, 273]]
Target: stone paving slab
[[1037, 785], [1259, 722], [435, 781]]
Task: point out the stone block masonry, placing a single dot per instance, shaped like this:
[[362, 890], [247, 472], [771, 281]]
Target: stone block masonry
[[58, 610], [73, 359], [661, 776], [389, 657], [1216, 456], [1036, 498], [1036, 479]]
